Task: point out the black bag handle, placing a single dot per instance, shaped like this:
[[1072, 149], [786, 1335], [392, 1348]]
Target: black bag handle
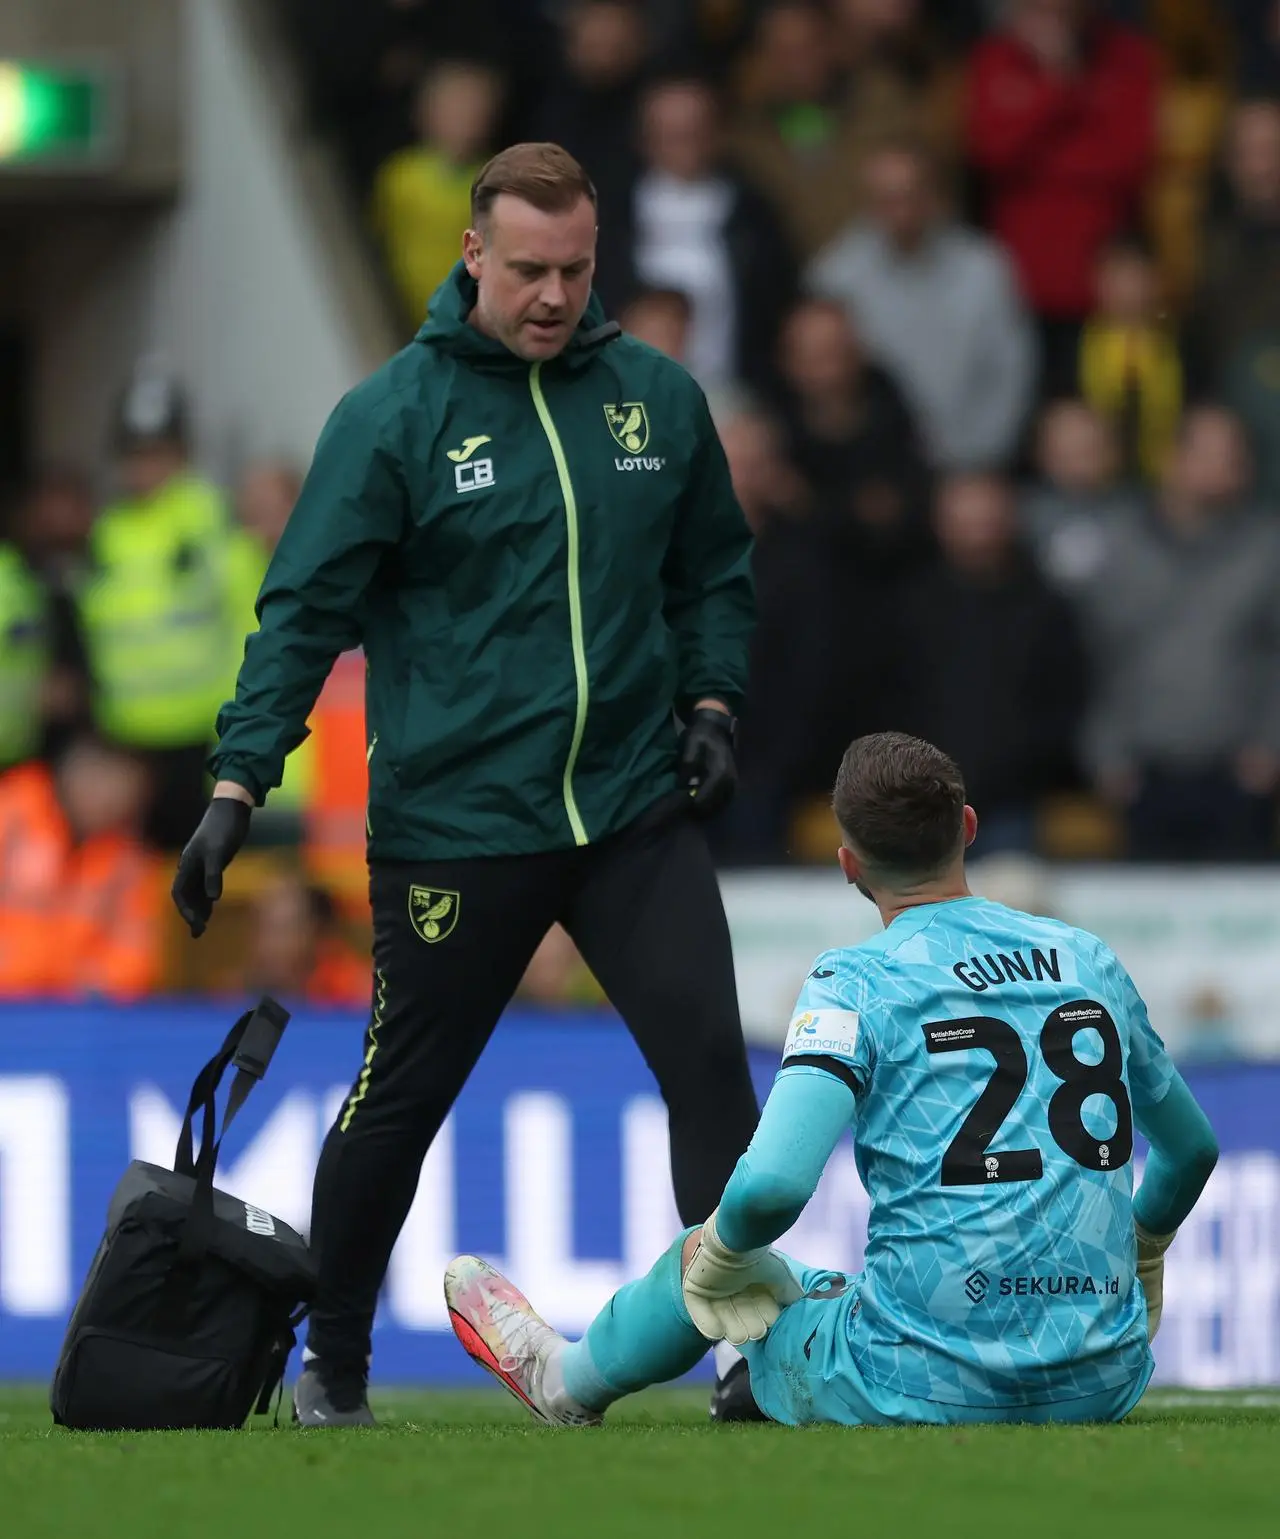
[[249, 1047]]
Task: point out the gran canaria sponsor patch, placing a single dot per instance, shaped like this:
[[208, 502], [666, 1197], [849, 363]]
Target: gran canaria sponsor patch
[[822, 1031]]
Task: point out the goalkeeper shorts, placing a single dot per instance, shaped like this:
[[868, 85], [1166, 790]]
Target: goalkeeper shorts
[[804, 1372]]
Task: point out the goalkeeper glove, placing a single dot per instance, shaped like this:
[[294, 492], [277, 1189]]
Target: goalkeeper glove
[[735, 1296], [1151, 1249]]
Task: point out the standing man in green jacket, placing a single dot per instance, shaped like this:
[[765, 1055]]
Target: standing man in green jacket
[[526, 520]]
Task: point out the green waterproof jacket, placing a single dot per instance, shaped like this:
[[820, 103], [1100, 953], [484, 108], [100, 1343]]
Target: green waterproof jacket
[[541, 561]]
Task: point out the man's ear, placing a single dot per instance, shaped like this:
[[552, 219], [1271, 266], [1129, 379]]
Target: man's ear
[[849, 865], [970, 826], [472, 252]]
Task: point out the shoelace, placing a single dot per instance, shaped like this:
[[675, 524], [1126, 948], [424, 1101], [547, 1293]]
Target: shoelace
[[523, 1340], [522, 1356]]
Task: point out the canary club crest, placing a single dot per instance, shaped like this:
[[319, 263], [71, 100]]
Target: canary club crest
[[629, 424], [433, 913]]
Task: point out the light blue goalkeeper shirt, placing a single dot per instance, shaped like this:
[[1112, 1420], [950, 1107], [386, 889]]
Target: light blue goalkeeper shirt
[[993, 1066]]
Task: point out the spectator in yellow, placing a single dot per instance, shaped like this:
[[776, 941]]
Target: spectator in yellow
[[1195, 46], [1131, 367], [422, 194], [157, 604]]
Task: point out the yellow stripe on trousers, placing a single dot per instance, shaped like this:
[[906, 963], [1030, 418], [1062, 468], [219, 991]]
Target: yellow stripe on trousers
[[362, 1084]]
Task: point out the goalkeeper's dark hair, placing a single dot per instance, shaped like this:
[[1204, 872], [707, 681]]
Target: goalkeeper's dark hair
[[544, 175], [899, 802]]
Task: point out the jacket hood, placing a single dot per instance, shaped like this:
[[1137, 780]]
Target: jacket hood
[[448, 328]]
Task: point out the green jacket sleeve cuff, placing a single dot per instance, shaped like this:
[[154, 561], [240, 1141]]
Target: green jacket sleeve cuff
[[232, 768]]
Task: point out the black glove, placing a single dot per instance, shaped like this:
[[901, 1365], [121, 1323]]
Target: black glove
[[707, 765], [210, 850]]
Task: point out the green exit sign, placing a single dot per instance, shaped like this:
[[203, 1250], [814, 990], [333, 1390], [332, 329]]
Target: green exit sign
[[54, 117]]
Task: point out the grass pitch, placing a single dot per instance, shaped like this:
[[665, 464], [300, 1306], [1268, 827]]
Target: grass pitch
[[473, 1464]]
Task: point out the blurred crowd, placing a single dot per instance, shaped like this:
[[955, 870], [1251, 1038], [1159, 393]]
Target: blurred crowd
[[122, 623], [985, 296], [985, 300]]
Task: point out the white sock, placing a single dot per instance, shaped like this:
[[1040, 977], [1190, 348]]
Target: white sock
[[553, 1385], [724, 1355]]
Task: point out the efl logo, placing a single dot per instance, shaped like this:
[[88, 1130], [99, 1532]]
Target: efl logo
[[472, 477]]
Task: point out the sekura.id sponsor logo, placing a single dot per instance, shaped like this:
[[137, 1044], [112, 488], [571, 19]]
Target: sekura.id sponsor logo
[[1029, 1285]]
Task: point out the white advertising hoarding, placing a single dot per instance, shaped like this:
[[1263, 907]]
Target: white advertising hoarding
[[1203, 945]]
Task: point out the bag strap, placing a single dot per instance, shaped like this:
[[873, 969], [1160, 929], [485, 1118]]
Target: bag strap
[[249, 1047], [277, 1366]]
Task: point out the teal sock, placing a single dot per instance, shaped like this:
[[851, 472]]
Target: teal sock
[[642, 1336]]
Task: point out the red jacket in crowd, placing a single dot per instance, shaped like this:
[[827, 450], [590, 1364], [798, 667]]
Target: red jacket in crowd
[[1063, 155]]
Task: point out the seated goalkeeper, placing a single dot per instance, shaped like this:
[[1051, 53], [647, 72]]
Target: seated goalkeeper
[[992, 1066]]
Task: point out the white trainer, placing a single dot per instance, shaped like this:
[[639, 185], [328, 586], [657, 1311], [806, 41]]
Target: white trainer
[[500, 1330]]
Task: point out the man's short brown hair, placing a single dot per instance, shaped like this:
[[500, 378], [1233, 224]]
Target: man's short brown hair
[[900, 804], [544, 175]]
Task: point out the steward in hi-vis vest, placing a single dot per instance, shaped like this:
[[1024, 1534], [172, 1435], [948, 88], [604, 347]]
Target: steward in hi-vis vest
[[161, 626]]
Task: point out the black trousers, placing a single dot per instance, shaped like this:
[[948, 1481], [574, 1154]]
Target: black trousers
[[644, 909]]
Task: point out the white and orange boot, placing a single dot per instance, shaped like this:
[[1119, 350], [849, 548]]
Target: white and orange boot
[[500, 1330]]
